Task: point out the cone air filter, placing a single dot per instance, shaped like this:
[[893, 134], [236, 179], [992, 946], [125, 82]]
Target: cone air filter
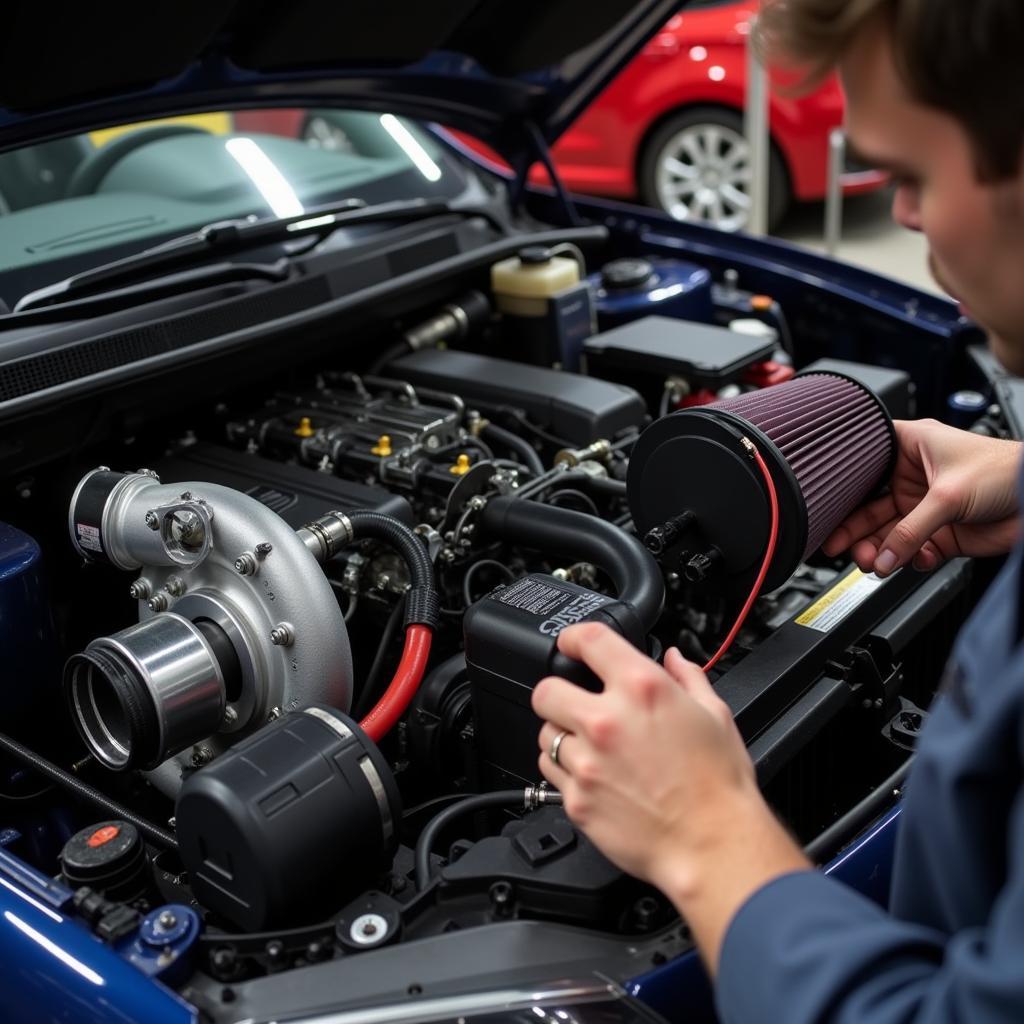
[[700, 502]]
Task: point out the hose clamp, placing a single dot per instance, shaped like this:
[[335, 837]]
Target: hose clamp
[[331, 532]]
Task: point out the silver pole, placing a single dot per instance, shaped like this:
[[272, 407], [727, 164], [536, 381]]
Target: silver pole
[[756, 127], [834, 194]]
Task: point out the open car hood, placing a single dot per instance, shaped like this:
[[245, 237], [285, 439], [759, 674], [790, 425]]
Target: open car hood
[[508, 71]]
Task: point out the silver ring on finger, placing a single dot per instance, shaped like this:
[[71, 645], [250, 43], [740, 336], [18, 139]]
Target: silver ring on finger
[[556, 744]]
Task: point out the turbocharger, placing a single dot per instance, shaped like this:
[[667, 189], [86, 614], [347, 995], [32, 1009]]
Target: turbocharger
[[238, 623]]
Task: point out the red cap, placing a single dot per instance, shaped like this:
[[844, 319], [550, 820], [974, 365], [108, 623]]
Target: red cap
[[103, 835]]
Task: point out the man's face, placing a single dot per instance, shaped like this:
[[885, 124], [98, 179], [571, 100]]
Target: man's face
[[975, 231]]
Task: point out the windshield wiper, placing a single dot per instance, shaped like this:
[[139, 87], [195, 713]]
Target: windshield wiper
[[224, 237]]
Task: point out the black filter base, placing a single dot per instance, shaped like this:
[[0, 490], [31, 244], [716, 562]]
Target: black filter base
[[694, 461]]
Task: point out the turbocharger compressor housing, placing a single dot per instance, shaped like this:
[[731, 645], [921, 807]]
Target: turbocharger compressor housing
[[701, 503], [238, 624]]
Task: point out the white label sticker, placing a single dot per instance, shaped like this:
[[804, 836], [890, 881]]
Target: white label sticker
[[848, 594], [88, 537]]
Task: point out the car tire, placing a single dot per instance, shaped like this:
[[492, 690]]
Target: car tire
[[695, 166]]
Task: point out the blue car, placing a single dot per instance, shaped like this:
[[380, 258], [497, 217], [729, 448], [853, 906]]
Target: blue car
[[316, 429]]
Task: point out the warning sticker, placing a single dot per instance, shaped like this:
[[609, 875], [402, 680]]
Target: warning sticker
[[531, 595], [555, 606], [88, 537], [848, 594]]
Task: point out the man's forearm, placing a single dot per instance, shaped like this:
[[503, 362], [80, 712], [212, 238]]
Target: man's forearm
[[745, 850]]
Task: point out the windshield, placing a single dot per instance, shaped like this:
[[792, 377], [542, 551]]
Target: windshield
[[75, 203]]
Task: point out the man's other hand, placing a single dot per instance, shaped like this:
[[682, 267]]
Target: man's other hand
[[953, 493]]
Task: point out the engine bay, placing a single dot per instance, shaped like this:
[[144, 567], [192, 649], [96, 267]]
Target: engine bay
[[300, 621]]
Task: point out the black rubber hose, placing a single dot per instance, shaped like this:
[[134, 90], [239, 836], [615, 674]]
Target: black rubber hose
[[388, 356], [156, 835], [602, 486], [857, 818], [428, 837], [635, 573], [369, 695], [598, 486], [484, 563], [457, 320], [506, 439], [480, 445], [422, 604]]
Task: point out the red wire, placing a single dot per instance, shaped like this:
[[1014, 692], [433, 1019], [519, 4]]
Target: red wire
[[403, 686], [773, 537]]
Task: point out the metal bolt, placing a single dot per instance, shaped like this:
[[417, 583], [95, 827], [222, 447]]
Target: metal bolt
[[201, 756], [501, 894], [263, 549], [645, 910], [477, 502], [186, 495], [383, 581], [150, 473], [152, 520], [224, 959], [230, 715], [282, 635], [175, 586], [172, 823], [274, 714], [81, 764], [167, 920], [246, 564], [158, 603], [368, 929], [141, 590]]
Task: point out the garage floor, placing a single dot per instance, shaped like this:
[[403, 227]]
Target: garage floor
[[870, 238]]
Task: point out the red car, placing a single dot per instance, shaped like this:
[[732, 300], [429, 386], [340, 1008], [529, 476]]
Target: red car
[[669, 128]]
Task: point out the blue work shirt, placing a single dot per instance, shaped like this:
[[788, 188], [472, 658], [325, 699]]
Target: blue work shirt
[[951, 948]]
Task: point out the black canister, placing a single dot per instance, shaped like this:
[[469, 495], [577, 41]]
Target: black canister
[[110, 858]]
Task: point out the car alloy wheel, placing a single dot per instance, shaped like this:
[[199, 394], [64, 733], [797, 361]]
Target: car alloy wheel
[[703, 173], [697, 167]]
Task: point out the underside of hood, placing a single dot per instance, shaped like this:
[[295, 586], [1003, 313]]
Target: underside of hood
[[485, 66]]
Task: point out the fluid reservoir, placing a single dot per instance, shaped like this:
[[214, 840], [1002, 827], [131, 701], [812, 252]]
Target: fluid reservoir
[[632, 287], [547, 310]]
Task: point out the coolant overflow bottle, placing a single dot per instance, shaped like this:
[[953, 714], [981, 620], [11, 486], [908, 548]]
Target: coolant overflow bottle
[[547, 311]]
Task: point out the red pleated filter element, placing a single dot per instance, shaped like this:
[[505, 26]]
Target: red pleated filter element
[[834, 435], [828, 442]]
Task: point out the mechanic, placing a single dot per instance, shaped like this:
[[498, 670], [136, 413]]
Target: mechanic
[[653, 768]]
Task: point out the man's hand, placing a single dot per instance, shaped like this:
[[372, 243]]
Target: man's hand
[[953, 493], [654, 771]]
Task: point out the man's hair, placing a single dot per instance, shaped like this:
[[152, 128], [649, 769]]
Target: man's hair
[[962, 57]]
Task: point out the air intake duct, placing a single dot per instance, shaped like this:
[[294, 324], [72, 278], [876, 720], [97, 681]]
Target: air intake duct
[[701, 505]]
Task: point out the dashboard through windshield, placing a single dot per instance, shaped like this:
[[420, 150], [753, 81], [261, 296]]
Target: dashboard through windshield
[[78, 202]]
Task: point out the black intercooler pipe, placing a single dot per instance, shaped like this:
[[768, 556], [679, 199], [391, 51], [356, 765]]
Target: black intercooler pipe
[[38, 763], [632, 568]]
